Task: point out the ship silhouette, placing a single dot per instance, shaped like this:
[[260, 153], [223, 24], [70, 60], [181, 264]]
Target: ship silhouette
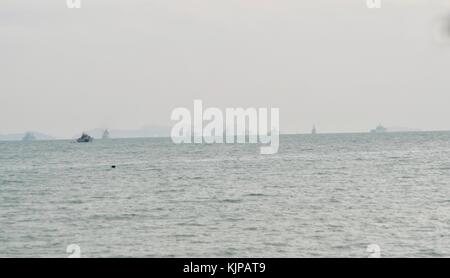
[[85, 138], [29, 136], [379, 129], [105, 134]]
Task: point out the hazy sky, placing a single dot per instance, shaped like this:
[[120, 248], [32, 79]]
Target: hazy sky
[[128, 63]]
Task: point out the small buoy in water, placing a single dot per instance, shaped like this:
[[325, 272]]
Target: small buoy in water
[[113, 166]]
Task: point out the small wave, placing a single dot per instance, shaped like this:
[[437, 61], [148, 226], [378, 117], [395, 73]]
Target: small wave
[[231, 201], [255, 195], [75, 201], [185, 236]]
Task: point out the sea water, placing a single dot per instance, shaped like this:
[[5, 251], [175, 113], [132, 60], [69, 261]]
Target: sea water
[[327, 195]]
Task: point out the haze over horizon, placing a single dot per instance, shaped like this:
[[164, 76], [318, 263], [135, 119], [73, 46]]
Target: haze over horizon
[[128, 64]]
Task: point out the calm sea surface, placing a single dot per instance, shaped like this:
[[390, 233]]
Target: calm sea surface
[[321, 195]]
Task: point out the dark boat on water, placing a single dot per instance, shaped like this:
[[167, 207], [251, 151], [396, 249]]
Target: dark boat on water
[[85, 138]]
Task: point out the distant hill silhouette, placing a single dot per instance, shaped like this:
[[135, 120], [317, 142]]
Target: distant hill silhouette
[[19, 136], [401, 129]]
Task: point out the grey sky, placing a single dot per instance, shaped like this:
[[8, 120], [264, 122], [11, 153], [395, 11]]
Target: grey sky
[[125, 64]]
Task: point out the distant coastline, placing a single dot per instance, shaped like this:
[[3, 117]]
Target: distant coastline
[[137, 134], [97, 133], [19, 136]]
